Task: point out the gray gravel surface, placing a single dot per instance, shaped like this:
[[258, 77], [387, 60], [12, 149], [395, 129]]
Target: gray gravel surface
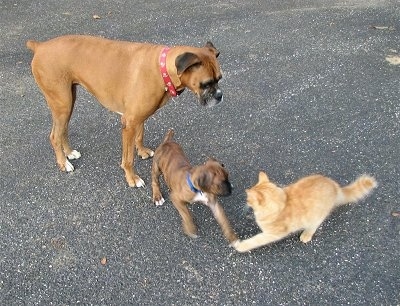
[[307, 89]]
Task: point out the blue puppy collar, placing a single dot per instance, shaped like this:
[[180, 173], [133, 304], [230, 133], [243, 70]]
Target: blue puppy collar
[[191, 186]]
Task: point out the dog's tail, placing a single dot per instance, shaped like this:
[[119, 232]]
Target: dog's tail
[[32, 45], [169, 135], [357, 190]]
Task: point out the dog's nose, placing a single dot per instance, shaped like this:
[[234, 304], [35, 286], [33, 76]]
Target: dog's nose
[[226, 188], [218, 95]]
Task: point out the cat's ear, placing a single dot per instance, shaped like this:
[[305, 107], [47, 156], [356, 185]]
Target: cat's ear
[[262, 177]]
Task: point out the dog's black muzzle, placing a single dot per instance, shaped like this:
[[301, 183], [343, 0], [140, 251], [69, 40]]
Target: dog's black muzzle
[[226, 188], [211, 96]]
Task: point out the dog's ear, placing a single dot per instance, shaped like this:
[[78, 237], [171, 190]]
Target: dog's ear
[[211, 47], [185, 61], [204, 180], [210, 159]]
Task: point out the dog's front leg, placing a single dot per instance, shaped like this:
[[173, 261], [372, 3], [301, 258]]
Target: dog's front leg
[[143, 152], [223, 221], [187, 221], [129, 131]]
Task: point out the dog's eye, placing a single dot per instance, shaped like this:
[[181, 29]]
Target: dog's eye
[[205, 85]]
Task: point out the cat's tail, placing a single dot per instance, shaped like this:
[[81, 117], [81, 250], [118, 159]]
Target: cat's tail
[[357, 190]]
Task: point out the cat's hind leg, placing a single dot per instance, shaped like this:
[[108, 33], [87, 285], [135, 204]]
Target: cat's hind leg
[[308, 233]]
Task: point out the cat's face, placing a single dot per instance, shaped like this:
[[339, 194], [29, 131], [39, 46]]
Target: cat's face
[[265, 195]]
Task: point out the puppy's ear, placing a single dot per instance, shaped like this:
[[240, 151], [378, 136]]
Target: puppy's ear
[[210, 159], [211, 47], [185, 61], [204, 180]]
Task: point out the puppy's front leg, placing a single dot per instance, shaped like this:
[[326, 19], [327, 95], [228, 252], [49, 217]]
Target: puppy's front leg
[[223, 221], [187, 221], [129, 131]]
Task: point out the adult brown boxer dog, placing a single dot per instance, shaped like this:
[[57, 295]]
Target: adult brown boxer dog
[[189, 184], [133, 79]]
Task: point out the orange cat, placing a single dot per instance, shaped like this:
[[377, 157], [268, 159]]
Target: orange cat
[[303, 205]]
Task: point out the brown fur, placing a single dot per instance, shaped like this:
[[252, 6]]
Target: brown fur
[[125, 77], [303, 205], [211, 178]]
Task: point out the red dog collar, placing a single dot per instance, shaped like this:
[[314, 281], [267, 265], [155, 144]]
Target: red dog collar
[[163, 68]]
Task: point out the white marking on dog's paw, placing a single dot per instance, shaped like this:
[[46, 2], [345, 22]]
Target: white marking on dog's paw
[[68, 166], [74, 154], [161, 202], [139, 183], [151, 153]]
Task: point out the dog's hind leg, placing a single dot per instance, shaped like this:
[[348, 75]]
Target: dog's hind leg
[[155, 183]]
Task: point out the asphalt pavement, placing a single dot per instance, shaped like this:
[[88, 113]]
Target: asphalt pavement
[[310, 87]]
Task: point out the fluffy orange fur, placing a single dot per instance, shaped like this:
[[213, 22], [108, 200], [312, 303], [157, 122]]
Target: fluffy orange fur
[[303, 205]]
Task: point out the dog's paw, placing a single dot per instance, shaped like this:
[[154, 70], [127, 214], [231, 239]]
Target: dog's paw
[[74, 155], [139, 182], [146, 153], [68, 166], [193, 236], [159, 202], [191, 231], [135, 181]]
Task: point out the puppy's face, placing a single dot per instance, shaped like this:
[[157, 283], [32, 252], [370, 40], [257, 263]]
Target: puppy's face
[[200, 72], [212, 177]]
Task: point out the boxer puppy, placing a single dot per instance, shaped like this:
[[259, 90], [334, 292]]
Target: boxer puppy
[[189, 184], [132, 79]]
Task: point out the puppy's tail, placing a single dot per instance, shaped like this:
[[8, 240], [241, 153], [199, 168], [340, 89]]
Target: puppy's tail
[[32, 45], [170, 134], [357, 190]]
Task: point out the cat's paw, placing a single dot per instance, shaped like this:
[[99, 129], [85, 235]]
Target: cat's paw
[[238, 245], [305, 237], [233, 243]]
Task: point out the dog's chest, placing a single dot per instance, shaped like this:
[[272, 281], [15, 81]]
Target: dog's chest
[[200, 197]]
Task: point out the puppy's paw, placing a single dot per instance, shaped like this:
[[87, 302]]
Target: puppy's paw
[[145, 153], [191, 231], [159, 202], [139, 182], [68, 166], [74, 155], [193, 236]]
